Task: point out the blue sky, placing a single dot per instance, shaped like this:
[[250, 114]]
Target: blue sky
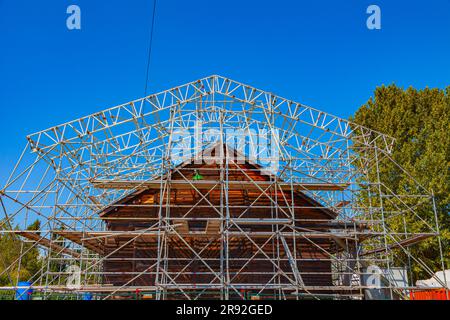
[[316, 52]]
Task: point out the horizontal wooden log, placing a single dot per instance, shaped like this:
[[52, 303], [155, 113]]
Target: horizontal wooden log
[[209, 184]]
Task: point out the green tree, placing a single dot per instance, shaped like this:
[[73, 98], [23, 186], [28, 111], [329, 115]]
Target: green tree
[[419, 120], [11, 247]]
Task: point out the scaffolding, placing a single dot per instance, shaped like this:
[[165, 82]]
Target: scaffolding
[[69, 176]]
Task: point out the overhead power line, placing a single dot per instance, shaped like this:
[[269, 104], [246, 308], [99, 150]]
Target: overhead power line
[[150, 47]]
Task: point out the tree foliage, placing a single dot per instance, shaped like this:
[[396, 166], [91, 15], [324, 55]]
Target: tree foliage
[[11, 247], [419, 120]]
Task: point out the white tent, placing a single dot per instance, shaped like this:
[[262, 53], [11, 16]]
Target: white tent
[[436, 281]]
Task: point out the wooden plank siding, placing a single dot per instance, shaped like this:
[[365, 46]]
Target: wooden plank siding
[[199, 224]]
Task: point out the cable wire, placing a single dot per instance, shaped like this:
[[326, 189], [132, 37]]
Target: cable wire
[[150, 47]]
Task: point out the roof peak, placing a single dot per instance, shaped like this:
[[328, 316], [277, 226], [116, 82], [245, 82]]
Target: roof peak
[[148, 111]]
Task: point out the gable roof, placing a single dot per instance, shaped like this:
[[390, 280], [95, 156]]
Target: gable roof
[[144, 186]]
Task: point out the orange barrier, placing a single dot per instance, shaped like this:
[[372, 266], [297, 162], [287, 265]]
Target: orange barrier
[[434, 294]]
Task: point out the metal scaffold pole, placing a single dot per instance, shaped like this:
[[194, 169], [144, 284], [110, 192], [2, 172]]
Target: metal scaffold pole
[[212, 189]]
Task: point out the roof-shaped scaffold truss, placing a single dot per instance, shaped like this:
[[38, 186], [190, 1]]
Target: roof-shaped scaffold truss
[[213, 189]]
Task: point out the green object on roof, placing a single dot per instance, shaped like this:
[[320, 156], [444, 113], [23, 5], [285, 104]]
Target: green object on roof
[[197, 176]]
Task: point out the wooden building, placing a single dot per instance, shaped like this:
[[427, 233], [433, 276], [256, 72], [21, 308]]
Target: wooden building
[[224, 221]]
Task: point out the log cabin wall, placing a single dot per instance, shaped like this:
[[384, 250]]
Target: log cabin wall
[[198, 225]]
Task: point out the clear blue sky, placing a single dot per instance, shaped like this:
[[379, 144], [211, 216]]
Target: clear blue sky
[[316, 52]]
